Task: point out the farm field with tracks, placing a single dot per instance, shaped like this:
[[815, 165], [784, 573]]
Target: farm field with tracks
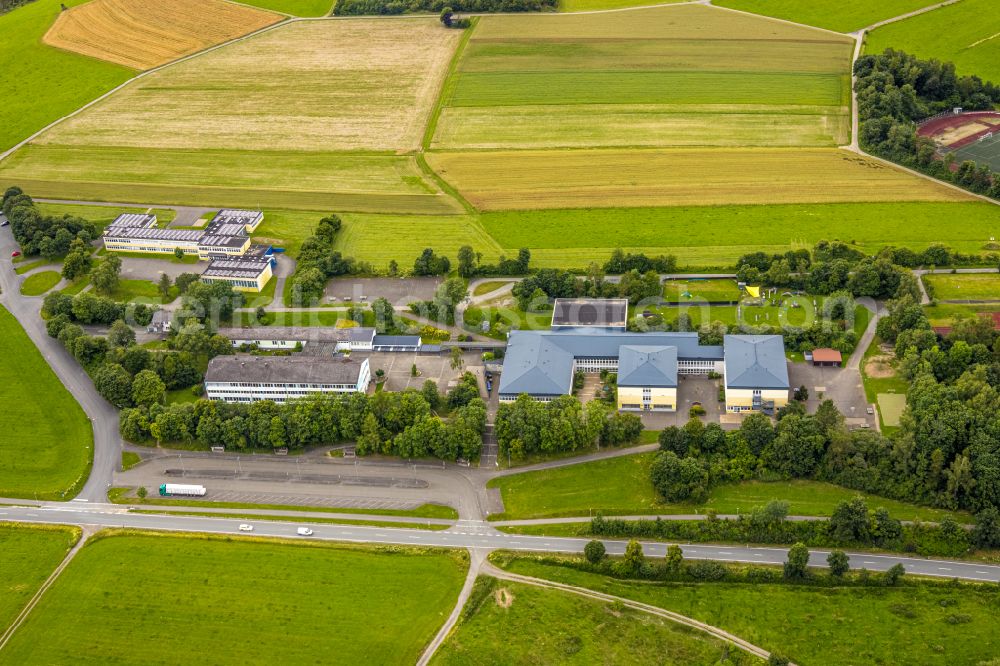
[[684, 75], [362, 604], [145, 33], [966, 33], [497, 180], [837, 15], [317, 123], [965, 286], [39, 84]]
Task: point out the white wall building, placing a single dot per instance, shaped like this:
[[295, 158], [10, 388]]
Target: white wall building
[[280, 378]]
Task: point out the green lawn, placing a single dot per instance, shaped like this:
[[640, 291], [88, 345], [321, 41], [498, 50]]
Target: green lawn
[[515, 623], [965, 286], [142, 290], [891, 406], [130, 460], [295, 7], [37, 284], [944, 314], [837, 15], [964, 33], [166, 598], [102, 216], [75, 287], [918, 623], [686, 291], [47, 447], [621, 486], [39, 84], [28, 554], [488, 286], [180, 395], [23, 267], [715, 236]]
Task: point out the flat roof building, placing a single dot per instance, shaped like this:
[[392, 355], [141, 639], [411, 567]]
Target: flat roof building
[[609, 313], [243, 274], [396, 343], [288, 337], [281, 378], [248, 219]]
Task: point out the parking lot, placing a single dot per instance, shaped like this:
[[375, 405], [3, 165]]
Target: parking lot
[[399, 291], [841, 385]]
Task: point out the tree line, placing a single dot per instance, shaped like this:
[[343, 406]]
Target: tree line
[[391, 7], [387, 423], [46, 235], [317, 262], [895, 90], [527, 426]]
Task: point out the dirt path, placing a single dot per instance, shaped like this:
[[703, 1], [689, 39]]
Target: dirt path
[[721, 634], [477, 558]]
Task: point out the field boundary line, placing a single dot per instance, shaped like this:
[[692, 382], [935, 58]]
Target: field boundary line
[[779, 20], [30, 606], [903, 17], [4, 155], [476, 560], [721, 634]]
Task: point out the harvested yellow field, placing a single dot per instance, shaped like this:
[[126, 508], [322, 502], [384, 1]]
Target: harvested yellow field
[[143, 34], [512, 180], [364, 84]]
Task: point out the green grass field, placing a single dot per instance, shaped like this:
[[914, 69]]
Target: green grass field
[[686, 291], [142, 290], [591, 5], [699, 77], [520, 624], [160, 598], [965, 33], [984, 152], [28, 555], [944, 314], [47, 446], [295, 7], [715, 236], [965, 286], [837, 15], [39, 84], [621, 486], [921, 623], [37, 284], [102, 216]]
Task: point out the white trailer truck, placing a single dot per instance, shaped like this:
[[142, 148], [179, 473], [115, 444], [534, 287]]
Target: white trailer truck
[[171, 489]]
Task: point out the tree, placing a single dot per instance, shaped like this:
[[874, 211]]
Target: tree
[[801, 394], [839, 563], [178, 253], [121, 335], [78, 261], [466, 261], [675, 559], [141, 492], [185, 280], [164, 286], [634, 559], [777, 660], [986, 533], [431, 394], [594, 551], [894, 574], [148, 389], [446, 15], [385, 315], [678, 479], [105, 276], [796, 566], [114, 383], [849, 521], [457, 362]]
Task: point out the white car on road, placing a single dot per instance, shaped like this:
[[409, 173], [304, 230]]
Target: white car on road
[[304, 531], [246, 528]]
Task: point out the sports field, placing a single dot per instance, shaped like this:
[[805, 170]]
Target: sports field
[[966, 33], [715, 236], [891, 406], [38, 83], [669, 76], [306, 116], [28, 554], [174, 599], [709, 291], [838, 15], [515, 623], [47, 446], [145, 33], [505, 180], [984, 151], [965, 286]]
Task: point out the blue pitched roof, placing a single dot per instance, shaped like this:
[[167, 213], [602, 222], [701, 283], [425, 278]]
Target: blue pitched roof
[[755, 362], [541, 362], [647, 366]]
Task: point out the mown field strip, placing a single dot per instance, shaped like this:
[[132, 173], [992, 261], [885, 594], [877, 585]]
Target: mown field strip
[[504, 180], [624, 126], [838, 15]]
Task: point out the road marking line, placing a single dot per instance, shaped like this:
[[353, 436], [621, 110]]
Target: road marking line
[[943, 569]]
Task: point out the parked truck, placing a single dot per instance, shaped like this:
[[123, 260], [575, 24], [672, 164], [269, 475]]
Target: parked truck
[[170, 489]]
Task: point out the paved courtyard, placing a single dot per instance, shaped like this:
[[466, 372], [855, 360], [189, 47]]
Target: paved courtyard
[[398, 366], [150, 269], [399, 291], [841, 385]]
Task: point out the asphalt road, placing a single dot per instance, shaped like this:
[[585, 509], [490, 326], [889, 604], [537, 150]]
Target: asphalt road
[[103, 417], [466, 534]]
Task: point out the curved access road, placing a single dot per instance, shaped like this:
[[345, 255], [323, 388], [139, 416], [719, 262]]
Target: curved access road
[[103, 417]]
